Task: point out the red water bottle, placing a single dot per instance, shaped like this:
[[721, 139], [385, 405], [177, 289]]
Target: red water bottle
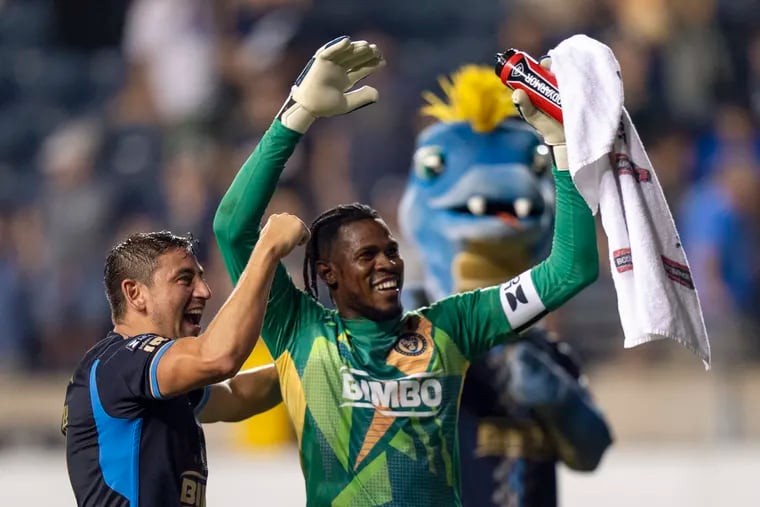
[[519, 71]]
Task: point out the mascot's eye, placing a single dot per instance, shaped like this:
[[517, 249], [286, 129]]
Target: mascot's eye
[[429, 162], [542, 159]]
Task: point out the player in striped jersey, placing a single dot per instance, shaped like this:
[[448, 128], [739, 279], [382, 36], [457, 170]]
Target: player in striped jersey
[[134, 403]]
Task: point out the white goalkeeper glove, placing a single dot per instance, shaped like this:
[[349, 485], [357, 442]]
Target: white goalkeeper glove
[[552, 131], [322, 88]]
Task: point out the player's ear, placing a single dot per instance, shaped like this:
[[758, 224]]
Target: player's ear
[[326, 273], [134, 294]]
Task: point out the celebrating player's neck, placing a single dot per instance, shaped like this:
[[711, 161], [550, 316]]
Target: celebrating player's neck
[[373, 314]]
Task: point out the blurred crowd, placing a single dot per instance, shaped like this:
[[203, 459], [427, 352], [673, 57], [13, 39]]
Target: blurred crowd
[[119, 115]]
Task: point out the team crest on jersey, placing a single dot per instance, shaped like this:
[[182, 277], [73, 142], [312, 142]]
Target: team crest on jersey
[[410, 344]]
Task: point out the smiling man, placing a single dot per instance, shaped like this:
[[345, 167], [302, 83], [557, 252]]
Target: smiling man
[[133, 406], [373, 392]]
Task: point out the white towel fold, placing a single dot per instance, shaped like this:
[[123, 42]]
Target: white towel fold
[[611, 169]]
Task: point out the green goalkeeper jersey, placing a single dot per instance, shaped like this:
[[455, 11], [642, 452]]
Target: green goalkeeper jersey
[[375, 404]]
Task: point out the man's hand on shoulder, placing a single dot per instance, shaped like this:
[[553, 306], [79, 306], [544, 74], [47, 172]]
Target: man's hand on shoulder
[[323, 88]]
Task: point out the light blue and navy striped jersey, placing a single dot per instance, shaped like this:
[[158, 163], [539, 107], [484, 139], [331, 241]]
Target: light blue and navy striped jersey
[[127, 445]]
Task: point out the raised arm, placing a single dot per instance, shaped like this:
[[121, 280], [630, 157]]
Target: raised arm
[[237, 219], [219, 352], [475, 320], [574, 260], [320, 91]]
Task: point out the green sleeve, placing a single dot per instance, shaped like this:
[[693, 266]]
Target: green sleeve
[[236, 227], [573, 263], [481, 319], [473, 320]]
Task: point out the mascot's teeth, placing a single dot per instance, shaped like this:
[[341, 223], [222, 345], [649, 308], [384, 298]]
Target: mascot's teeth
[[522, 207], [477, 205]]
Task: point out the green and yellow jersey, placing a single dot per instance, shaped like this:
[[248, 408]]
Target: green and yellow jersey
[[375, 404]]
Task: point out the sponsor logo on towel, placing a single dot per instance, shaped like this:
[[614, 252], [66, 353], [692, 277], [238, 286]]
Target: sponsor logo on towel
[[677, 272], [624, 165], [623, 260]]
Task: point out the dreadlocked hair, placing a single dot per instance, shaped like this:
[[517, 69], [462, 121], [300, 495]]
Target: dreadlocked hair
[[323, 231]]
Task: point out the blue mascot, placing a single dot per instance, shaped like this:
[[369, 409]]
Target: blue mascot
[[478, 207]]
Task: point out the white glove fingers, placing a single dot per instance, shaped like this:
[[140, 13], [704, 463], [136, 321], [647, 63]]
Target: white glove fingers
[[550, 129], [361, 97], [357, 74], [546, 62], [320, 90], [360, 60], [335, 48], [357, 51], [523, 104]]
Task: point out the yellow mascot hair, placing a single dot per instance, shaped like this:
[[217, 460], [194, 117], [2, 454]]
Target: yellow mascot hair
[[476, 95]]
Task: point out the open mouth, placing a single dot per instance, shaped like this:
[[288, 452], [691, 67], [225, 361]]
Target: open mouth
[[509, 211], [193, 317], [387, 285]]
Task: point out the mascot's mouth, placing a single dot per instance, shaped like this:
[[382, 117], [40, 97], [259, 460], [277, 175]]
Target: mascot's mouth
[[509, 212]]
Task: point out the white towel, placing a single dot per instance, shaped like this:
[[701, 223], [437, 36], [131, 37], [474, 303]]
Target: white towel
[[611, 169]]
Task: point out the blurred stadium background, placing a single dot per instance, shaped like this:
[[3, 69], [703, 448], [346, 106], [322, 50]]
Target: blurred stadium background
[[119, 115]]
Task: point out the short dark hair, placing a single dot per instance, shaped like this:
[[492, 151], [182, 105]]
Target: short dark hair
[[323, 230], [136, 257]]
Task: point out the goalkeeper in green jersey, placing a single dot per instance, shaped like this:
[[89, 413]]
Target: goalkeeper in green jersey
[[373, 392]]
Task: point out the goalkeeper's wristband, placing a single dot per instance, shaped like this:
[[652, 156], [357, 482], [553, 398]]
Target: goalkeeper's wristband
[[559, 152], [294, 116]]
